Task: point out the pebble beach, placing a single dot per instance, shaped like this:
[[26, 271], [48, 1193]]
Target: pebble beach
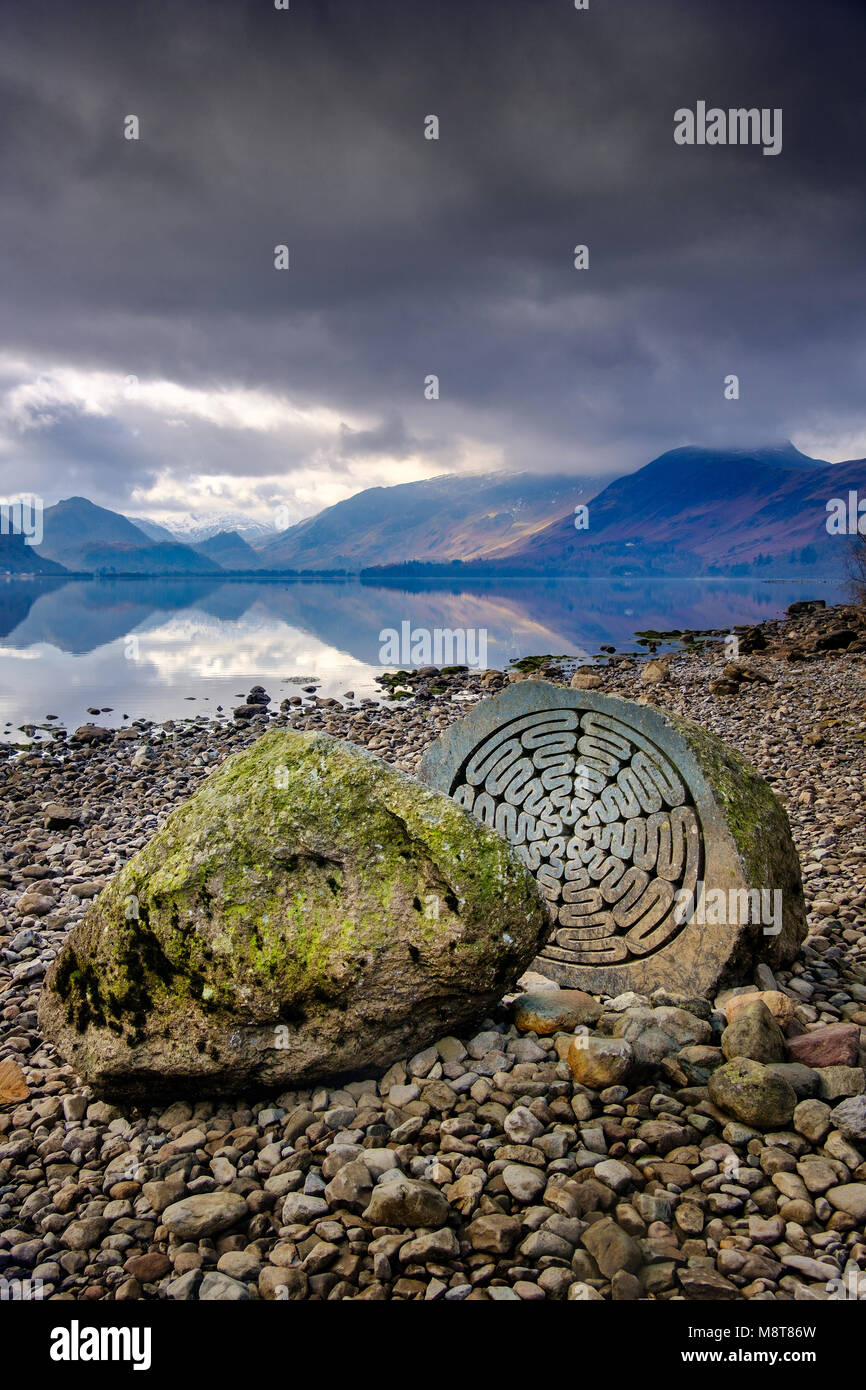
[[545, 1188]]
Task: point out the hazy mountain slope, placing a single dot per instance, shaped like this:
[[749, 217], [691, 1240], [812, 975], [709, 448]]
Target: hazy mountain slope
[[456, 516], [713, 508], [153, 558], [152, 529], [230, 550], [90, 539], [17, 557], [75, 524]]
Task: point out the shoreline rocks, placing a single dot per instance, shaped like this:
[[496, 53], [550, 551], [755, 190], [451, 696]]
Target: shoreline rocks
[[309, 912], [717, 1208]]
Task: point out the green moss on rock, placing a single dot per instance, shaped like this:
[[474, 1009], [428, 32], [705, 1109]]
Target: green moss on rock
[[761, 831], [305, 882]]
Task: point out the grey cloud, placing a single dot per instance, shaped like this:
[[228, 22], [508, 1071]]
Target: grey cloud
[[454, 257]]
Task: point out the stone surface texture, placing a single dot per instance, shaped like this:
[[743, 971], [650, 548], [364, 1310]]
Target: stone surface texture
[[620, 812], [309, 911]]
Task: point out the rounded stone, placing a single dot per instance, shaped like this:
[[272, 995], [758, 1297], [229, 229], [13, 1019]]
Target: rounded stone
[[524, 1183], [836, 1045], [664, 857], [219, 1288], [611, 1247], [407, 1202], [351, 1187], [282, 1283], [309, 911], [599, 1062], [522, 1126], [147, 1269], [204, 1214], [13, 1085], [850, 1198], [34, 904], [660, 1032], [493, 1234], [812, 1119], [85, 1233], [585, 1293], [753, 1094], [239, 1264], [555, 1011]]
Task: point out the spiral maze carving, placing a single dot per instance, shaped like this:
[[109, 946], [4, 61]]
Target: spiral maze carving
[[602, 818]]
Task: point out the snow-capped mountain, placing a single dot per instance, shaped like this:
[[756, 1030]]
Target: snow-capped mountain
[[194, 528]]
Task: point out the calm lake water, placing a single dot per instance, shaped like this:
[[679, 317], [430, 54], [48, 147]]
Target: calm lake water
[[172, 648]]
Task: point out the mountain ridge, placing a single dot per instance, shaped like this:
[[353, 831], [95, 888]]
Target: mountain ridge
[[89, 539], [691, 510], [453, 514]]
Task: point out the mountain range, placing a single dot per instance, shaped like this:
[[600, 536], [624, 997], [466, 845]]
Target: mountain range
[[700, 511], [87, 539], [466, 517], [193, 529], [690, 511]]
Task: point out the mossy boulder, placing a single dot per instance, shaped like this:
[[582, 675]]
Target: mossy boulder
[[309, 912]]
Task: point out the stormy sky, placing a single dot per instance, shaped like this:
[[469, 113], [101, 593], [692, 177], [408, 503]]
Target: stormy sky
[[153, 359]]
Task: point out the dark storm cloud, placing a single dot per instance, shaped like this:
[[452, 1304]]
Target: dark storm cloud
[[390, 438], [453, 257]]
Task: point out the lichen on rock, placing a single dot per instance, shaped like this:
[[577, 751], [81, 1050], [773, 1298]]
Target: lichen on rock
[[310, 911], [666, 860]]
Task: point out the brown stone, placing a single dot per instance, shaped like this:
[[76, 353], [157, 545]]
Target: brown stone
[[705, 1284], [282, 1283], [611, 1248], [836, 1045], [555, 1011], [13, 1087], [35, 902], [91, 733], [494, 1235], [751, 1093], [599, 1062], [147, 1269], [586, 679], [754, 1033], [779, 1004]]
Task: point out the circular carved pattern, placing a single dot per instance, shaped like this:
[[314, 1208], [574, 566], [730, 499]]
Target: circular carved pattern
[[602, 818]]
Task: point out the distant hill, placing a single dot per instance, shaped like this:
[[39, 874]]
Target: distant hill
[[89, 539], [151, 529], [702, 511], [155, 558], [230, 550], [17, 557], [452, 517], [75, 524]]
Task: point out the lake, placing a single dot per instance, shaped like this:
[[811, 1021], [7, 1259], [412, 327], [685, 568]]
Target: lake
[[171, 648]]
